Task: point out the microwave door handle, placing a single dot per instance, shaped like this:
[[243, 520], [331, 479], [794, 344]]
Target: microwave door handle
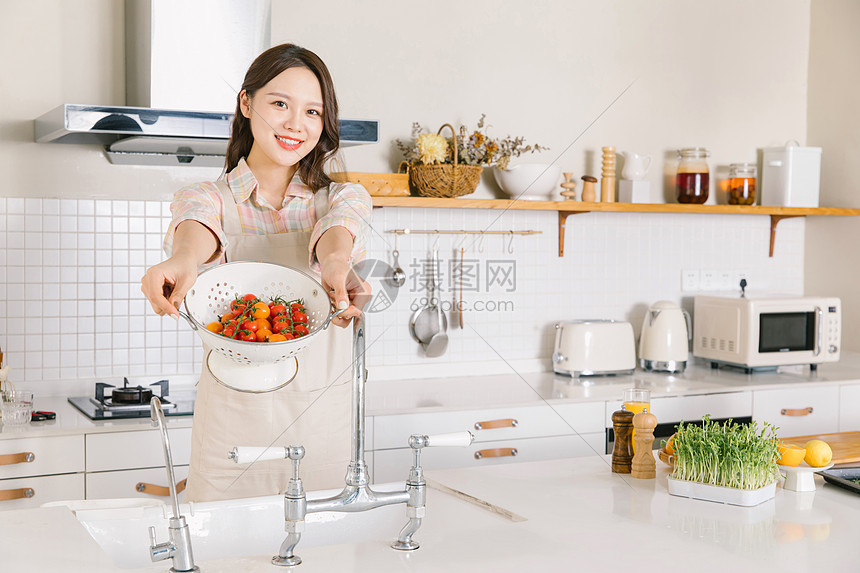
[[819, 316]]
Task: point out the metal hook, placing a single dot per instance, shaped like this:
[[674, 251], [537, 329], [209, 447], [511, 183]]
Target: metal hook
[[481, 243], [511, 243], [463, 236], [436, 241]]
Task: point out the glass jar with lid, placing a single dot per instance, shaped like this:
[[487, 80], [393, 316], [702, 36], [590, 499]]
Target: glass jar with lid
[[693, 180], [742, 183]]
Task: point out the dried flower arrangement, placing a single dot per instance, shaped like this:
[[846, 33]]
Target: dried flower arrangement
[[477, 148]]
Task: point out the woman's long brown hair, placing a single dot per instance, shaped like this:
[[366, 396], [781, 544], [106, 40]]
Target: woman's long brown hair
[[268, 65]]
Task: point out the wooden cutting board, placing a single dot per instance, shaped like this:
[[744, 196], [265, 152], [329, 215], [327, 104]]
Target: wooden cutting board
[[845, 445]]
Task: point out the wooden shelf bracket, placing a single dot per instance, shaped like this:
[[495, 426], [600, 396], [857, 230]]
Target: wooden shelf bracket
[[774, 221], [562, 218]]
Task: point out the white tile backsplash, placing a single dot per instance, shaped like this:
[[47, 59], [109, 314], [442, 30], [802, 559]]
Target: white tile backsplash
[[78, 283]]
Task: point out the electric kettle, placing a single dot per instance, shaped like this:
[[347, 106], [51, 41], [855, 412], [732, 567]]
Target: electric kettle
[[664, 341]]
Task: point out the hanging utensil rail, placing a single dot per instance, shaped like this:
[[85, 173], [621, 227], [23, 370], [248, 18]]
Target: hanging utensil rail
[[460, 232]]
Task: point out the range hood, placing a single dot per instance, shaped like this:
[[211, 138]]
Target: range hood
[[182, 56]]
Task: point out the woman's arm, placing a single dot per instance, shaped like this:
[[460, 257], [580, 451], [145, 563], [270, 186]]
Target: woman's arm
[[166, 283], [333, 251]]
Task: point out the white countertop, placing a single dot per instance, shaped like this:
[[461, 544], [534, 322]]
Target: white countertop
[[467, 392], [579, 516]]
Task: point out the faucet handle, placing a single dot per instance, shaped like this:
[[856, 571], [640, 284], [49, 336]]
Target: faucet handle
[[458, 439], [248, 454]]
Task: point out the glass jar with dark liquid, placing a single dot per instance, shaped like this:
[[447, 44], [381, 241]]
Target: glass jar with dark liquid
[[693, 179]]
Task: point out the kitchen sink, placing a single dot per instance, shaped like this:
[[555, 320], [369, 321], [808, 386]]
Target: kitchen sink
[[229, 529]]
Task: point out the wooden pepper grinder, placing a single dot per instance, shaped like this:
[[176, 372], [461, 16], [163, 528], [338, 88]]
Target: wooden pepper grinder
[[569, 187], [622, 423], [644, 466], [607, 184], [588, 195]]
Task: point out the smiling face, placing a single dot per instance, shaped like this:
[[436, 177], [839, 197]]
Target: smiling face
[[286, 117]]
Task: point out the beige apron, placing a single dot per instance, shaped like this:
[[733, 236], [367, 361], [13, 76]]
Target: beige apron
[[313, 410]]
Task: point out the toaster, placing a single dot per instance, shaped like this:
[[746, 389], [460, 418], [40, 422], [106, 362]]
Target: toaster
[[594, 348]]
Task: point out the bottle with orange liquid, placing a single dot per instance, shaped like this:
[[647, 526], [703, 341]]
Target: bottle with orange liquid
[[636, 400]]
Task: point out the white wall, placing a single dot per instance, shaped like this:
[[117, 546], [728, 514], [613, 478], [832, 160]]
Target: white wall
[[729, 75], [834, 124]]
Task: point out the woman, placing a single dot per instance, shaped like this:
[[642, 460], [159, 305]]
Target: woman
[[275, 204]]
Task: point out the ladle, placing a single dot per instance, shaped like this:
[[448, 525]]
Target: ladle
[[398, 276], [438, 343]]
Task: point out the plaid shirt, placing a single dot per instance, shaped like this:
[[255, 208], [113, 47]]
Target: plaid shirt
[[349, 207]]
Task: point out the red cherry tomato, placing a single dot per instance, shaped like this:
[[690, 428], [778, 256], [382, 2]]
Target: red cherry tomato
[[247, 336], [250, 325], [229, 330], [300, 317], [280, 325], [300, 329], [277, 309], [250, 298]]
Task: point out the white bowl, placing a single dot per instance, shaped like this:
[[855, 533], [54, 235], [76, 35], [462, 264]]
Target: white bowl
[[535, 181]]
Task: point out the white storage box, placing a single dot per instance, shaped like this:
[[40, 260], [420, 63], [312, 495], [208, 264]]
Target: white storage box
[[790, 176], [719, 494]]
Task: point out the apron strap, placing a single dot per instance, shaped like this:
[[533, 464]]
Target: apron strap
[[321, 202], [229, 210]]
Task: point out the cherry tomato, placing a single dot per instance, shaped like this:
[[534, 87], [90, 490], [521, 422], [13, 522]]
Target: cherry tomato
[[247, 336], [228, 317], [215, 326], [277, 309], [300, 329], [264, 335], [277, 338], [261, 310], [297, 305], [287, 334], [280, 325], [263, 324], [250, 298], [229, 330], [300, 317], [250, 325], [238, 306]]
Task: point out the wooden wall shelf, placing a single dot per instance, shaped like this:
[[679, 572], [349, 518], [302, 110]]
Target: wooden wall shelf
[[566, 208]]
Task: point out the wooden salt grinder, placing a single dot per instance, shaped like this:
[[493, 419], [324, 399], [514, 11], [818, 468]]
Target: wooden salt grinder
[[607, 184], [644, 466], [588, 194], [569, 187], [622, 423]]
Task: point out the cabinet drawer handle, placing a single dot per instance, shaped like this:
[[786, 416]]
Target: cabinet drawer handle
[[796, 411], [24, 492], [495, 453], [492, 424], [22, 458], [161, 490]]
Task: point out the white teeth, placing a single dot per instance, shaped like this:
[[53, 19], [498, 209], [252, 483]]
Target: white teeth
[[288, 141]]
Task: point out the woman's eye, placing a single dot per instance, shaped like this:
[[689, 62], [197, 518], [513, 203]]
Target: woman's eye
[[280, 104], [314, 112]]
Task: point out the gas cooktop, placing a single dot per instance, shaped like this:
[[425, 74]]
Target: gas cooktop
[[111, 402]]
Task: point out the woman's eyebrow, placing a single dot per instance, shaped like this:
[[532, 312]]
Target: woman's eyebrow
[[287, 96]]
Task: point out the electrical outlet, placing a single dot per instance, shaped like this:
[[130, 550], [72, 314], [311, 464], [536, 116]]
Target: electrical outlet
[[724, 280], [689, 281], [708, 280]]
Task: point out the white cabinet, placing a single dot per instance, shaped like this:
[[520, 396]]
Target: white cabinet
[[849, 411], [799, 411], [138, 449], [502, 435], [145, 483], [673, 409], [34, 471]]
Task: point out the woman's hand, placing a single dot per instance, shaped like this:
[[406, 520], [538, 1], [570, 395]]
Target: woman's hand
[[166, 284], [346, 289]]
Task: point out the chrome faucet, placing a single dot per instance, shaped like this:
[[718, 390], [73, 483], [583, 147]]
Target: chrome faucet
[[179, 546], [356, 495]]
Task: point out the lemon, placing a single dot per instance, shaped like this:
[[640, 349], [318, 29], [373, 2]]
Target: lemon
[[790, 455], [818, 453]]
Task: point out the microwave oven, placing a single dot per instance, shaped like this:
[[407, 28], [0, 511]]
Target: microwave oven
[[767, 331]]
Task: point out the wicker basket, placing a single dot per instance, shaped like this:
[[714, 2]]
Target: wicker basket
[[446, 179]]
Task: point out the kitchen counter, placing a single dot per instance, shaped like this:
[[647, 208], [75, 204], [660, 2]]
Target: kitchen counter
[[439, 394], [429, 394], [579, 516]]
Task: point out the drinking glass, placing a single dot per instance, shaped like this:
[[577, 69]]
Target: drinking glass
[[16, 407], [636, 400]]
